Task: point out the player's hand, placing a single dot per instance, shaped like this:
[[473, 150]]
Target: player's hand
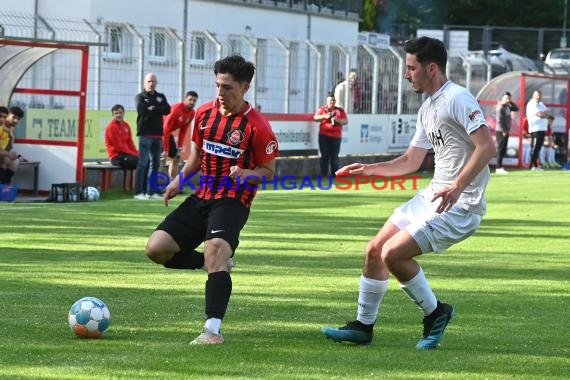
[[236, 173], [12, 156], [171, 191], [449, 196], [352, 169]]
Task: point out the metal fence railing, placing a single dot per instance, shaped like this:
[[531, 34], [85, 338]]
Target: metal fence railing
[[293, 76]]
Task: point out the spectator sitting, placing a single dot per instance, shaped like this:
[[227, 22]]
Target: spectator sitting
[[548, 152], [8, 158], [119, 140]]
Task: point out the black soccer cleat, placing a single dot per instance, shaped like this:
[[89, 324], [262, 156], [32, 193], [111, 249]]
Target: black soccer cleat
[[434, 326]]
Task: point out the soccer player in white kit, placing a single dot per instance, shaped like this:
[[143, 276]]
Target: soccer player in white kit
[[448, 211]]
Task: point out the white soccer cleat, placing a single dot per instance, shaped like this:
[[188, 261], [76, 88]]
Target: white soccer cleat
[[208, 337]]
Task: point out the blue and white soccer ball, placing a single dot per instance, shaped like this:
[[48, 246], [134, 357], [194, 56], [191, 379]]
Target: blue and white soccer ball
[[92, 194], [89, 317]]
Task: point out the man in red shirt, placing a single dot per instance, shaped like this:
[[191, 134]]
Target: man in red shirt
[[119, 140], [331, 119], [234, 147], [179, 119]]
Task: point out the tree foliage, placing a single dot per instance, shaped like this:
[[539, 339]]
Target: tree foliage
[[416, 13], [369, 14]]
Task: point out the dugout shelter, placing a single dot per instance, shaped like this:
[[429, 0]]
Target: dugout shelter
[[521, 85], [37, 136]]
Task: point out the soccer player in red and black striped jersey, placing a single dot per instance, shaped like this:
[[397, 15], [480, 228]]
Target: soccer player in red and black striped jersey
[[234, 147]]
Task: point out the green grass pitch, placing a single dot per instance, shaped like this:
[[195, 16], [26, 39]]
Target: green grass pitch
[[297, 270]]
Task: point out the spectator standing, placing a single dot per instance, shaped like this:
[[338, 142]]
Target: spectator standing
[[348, 93], [331, 119], [179, 119], [448, 211], [504, 115], [537, 113], [151, 107], [234, 147], [119, 142]]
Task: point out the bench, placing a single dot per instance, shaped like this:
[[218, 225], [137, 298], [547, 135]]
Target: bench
[[106, 175], [35, 165]]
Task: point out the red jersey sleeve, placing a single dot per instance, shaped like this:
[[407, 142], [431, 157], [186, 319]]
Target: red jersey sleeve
[[265, 147], [196, 137], [184, 129]]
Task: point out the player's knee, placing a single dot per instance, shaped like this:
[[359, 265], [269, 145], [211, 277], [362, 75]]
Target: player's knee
[[389, 254], [373, 250], [155, 251]]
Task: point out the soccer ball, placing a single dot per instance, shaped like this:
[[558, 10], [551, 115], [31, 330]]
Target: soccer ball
[[92, 194], [89, 317]]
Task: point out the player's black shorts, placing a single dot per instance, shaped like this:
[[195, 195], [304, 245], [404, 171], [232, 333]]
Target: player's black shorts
[[172, 148], [197, 220]]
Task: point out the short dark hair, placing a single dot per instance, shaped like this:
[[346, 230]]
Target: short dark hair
[[427, 50], [235, 65], [508, 93], [17, 111], [192, 93], [4, 110], [117, 107]]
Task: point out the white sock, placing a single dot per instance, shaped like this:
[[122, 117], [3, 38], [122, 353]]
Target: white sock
[[213, 324], [419, 291], [370, 295]]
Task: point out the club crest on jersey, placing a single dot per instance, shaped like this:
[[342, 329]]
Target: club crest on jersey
[[221, 150], [235, 136], [473, 115], [271, 147]]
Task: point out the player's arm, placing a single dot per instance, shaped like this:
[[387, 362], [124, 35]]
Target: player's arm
[[190, 168], [408, 162], [142, 106], [182, 136], [163, 107], [484, 151], [166, 132]]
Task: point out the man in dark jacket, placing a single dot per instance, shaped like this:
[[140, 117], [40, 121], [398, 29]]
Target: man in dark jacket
[[151, 107], [504, 115]]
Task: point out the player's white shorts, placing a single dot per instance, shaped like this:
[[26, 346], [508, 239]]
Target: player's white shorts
[[432, 231]]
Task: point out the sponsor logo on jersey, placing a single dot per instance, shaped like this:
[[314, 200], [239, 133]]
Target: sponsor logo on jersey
[[235, 136], [473, 115], [222, 150], [271, 147]]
